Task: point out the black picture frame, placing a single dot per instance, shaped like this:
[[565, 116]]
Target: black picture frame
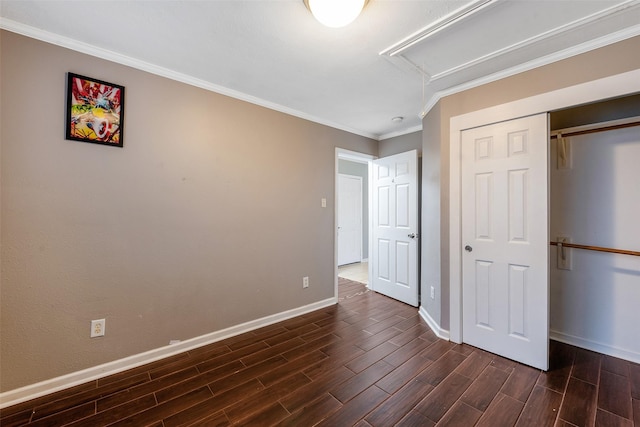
[[95, 111]]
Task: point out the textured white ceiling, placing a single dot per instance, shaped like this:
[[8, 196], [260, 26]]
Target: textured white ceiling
[[273, 53]]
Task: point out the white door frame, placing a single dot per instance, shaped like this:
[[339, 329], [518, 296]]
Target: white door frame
[[596, 90], [353, 156]]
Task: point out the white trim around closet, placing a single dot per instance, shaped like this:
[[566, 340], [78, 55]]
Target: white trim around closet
[[596, 90]]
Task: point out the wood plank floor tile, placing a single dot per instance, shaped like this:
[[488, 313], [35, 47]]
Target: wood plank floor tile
[[244, 375], [301, 332], [615, 365], [195, 382], [399, 404], [407, 351], [368, 361], [215, 404], [163, 410], [118, 413], [557, 377], [580, 403], [460, 414], [358, 383], [270, 415], [503, 411], [290, 368], [586, 366], [474, 365], [521, 382], [607, 419], [441, 368], [317, 388], [614, 394], [232, 356], [356, 409], [443, 397], [145, 388], [362, 362], [542, 409], [415, 419], [439, 349], [408, 335], [53, 397], [486, 387], [275, 350], [312, 413], [245, 407], [403, 373], [375, 340], [67, 415], [16, 418]]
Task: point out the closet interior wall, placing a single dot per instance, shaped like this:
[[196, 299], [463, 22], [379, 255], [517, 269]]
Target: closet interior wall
[[595, 200]]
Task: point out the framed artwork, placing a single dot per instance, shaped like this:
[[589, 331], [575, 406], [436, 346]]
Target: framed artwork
[[95, 111]]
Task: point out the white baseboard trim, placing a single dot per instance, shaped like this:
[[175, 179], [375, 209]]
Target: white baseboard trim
[[595, 346], [440, 333], [33, 391]]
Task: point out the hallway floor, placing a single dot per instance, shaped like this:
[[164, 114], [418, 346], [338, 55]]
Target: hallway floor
[[358, 272]]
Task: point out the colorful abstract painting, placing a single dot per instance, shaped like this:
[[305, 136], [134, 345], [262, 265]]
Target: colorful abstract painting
[[95, 111]]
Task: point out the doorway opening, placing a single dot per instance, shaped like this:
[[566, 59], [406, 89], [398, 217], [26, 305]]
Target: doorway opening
[[352, 195]]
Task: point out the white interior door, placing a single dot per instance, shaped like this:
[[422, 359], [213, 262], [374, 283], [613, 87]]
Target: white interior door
[[394, 255], [349, 219], [505, 238]]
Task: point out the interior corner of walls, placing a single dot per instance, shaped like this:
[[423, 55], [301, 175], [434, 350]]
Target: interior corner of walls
[[595, 346], [437, 330]]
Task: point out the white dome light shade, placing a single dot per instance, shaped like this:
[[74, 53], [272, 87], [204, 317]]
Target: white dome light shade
[[336, 13]]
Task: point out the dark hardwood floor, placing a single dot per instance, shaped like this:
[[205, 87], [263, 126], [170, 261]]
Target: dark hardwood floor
[[367, 361]]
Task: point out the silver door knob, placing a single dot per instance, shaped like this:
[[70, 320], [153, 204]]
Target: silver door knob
[[468, 248], [412, 235]]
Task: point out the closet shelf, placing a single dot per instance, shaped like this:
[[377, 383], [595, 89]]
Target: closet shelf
[[597, 127], [597, 248]]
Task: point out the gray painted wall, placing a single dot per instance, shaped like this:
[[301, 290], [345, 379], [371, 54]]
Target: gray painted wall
[[599, 63], [400, 144], [209, 216]]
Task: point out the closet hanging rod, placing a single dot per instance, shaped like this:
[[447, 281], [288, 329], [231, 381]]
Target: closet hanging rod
[[597, 127], [597, 248]]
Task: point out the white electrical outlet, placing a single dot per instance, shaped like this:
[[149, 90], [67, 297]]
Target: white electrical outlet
[[305, 282], [433, 293], [97, 328], [564, 254]]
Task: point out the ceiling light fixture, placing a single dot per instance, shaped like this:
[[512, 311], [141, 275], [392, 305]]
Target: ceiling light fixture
[[335, 13]]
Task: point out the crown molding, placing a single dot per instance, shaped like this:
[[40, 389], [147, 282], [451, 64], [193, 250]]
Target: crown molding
[[401, 132], [88, 49]]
